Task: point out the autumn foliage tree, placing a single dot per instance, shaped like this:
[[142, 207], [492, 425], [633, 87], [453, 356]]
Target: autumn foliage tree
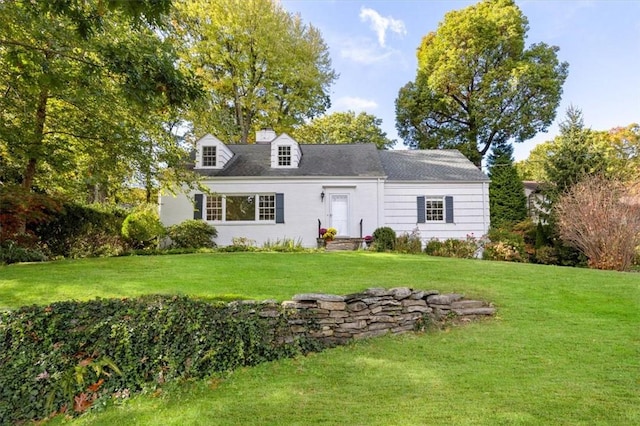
[[601, 218]]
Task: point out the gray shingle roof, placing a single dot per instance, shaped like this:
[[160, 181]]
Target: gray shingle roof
[[430, 165], [351, 160]]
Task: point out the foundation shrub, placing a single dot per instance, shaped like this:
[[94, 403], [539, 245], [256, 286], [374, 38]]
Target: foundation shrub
[[192, 234], [409, 243], [453, 247], [149, 340], [384, 239], [142, 228], [287, 245]]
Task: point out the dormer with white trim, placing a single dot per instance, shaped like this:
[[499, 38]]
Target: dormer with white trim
[[211, 153], [285, 152]]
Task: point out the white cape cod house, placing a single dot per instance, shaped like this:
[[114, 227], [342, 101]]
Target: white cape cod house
[[278, 189]]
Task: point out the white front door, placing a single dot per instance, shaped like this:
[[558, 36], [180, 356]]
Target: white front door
[[339, 213]]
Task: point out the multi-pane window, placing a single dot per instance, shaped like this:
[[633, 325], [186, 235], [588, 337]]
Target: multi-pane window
[[284, 156], [214, 208], [434, 209], [208, 156], [230, 208], [267, 207]]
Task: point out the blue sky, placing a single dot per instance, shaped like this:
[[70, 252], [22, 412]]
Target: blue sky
[[373, 44]]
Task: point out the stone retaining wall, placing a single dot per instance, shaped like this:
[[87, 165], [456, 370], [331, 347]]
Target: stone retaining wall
[[334, 319]]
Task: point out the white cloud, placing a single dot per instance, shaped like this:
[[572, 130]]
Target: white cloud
[[353, 103], [381, 24], [364, 51]]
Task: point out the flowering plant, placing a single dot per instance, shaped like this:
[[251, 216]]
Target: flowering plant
[[329, 234], [322, 231], [368, 238]]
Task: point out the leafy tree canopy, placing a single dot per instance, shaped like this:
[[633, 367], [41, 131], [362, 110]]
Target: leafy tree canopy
[[344, 127], [618, 147], [477, 85], [262, 66], [82, 108]]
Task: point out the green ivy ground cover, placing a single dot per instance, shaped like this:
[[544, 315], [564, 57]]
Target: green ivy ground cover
[[563, 349]]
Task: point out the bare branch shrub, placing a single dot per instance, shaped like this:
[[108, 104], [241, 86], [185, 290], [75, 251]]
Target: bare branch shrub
[[601, 218]]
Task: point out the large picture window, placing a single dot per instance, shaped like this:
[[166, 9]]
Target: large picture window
[[236, 208]]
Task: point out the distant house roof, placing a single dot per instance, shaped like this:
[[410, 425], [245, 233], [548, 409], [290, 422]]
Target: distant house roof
[[531, 186], [352, 160], [430, 165]]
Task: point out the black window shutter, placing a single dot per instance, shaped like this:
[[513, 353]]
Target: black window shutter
[[279, 208], [197, 212], [448, 207], [421, 212]]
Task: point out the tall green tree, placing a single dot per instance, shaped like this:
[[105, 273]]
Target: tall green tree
[[532, 167], [262, 66], [344, 127], [477, 86], [507, 200], [572, 155], [82, 85], [619, 148]]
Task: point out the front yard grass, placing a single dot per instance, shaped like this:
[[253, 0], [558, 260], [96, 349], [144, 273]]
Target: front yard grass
[[564, 347]]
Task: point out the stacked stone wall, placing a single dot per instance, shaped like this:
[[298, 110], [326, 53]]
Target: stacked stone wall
[[334, 319]]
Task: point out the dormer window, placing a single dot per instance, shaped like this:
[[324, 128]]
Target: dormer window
[[208, 156], [285, 152], [284, 156], [211, 153]]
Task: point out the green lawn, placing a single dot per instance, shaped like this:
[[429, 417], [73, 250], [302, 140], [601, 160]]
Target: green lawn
[[563, 349]]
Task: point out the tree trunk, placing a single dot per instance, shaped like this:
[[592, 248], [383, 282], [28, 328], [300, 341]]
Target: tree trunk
[[38, 136]]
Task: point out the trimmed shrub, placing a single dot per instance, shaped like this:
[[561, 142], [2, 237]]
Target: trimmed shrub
[[384, 239], [149, 340], [192, 234], [142, 228]]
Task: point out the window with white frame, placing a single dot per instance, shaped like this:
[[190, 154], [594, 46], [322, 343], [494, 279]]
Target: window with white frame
[[434, 209], [208, 156], [214, 208], [267, 207], [284, 155], [247, 208]]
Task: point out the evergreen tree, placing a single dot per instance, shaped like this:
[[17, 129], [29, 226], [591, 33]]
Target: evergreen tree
[[572, 156], [507, 201]]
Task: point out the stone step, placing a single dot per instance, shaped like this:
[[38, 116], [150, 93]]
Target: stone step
[[344, 244]]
